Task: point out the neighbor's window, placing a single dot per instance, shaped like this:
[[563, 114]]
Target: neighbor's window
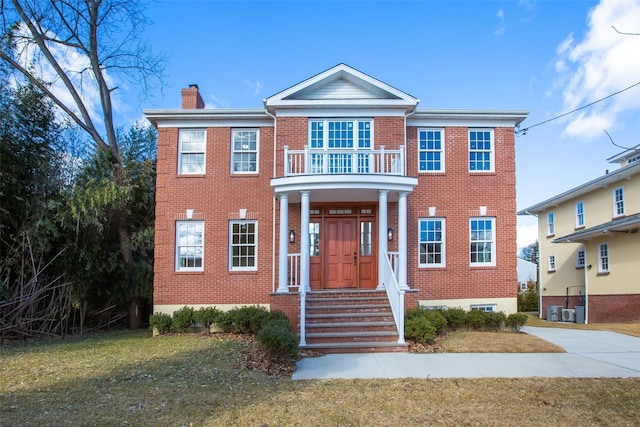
[[580, 256], [552, 263], [482, 239], [579, 214], [484, 307], [191, 157], [430, 150], [618, 201], [551, 224], [481, 150], [431, 242], [243, 251], [244, 151], [189, 245], [603, 258]]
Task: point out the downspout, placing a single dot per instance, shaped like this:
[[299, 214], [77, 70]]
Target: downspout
[[273, 201], [415, 109], [586, 287], [538, 284]]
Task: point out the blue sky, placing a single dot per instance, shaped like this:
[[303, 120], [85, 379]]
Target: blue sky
[[548, 57]]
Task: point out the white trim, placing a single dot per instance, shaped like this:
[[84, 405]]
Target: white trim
[[255, 245], [601, 267], [579, 214], [615, 212], [492, 151], [344, 112], [442, 150], [582, 251], [551, 263], [181, 132], [551, 225], [178, 246], [493, 242]]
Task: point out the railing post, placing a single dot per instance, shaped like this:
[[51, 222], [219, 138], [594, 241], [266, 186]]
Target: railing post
[[287, 161], [307, 160], [403, 160], [382, 168], [401, 319]]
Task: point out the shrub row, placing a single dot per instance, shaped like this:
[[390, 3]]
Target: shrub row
[[271, 328], [424, 325]]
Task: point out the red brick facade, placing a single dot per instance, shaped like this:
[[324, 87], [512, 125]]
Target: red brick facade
[[217, 196], [602, 308]]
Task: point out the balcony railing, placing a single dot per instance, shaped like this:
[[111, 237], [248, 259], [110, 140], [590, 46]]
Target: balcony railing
[[344, 161]]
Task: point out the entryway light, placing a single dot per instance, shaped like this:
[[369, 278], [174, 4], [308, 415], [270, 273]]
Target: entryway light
[[390, 234], [292, 236]]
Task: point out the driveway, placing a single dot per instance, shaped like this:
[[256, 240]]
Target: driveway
[[590, 354]]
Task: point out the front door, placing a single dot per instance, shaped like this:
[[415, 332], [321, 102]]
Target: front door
[[343, 250], [341, 256]]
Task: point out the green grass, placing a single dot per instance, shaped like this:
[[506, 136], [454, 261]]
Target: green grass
[[129, 378]]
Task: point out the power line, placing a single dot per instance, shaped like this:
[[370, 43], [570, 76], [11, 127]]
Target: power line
[[520, 132]]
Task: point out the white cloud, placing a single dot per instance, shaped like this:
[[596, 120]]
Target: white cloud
[[600, 64], [253, 87], [501, 26], [527, 234], [214, 102]]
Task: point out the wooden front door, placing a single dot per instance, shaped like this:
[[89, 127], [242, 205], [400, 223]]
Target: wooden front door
[[341, 253]]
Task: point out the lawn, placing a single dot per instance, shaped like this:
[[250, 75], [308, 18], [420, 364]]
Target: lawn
[[130, 378]]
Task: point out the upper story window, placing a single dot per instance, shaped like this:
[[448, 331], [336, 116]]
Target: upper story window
[[243, 245], [189, 245], [244, 151], [431, 249], [191, 152], [430, 150], [618, 201], [579, 214], [603, 258], [483, 244], [481, 150], [551, 224], [340, 134]]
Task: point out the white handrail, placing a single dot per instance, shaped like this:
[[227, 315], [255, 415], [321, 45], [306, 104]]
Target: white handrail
[[395, 295], [344, 161]]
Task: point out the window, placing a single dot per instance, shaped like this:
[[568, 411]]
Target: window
[[366, 238], [243, 252], [482, 239], [551, 225], [431, 249], [484, 307], [191, 157], [189, 245], [481, 150], [618, 201], [551, 266], [580, 258], [430, 152], [337, 135], [244, 151], [579, 214], [314, 239], [523, 286], [603, 258]]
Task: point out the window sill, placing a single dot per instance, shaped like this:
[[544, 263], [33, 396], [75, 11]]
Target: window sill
[[432, 267], [191, 175], [485, 173], [242, 272], [188, 273], [551, 235], [482, 267], [580, 227], [244, 175], [551, 271], [431, 173], [602, 273]]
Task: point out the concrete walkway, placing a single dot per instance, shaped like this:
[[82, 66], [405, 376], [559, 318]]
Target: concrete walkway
[[590, 354]]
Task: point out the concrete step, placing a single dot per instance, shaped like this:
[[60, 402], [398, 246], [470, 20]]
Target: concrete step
[[357, 347]]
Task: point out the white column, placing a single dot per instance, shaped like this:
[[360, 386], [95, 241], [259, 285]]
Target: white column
[[283, 274], [402, 241], [304, 240], [382, 234]]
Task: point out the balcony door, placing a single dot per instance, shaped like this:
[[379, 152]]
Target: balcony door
[[343, 254]]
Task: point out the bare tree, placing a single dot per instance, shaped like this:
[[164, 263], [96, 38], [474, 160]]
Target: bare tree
[[79, 52]]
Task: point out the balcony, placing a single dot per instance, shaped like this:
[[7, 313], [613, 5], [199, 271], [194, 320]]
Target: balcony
[[344, 162]]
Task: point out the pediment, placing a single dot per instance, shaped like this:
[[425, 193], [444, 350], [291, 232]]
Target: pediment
[[343, 86]]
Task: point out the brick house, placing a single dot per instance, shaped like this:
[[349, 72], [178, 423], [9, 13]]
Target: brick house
[[590, 247], [339, 188]]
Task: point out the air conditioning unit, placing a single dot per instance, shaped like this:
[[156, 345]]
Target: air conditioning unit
[[569, 315]]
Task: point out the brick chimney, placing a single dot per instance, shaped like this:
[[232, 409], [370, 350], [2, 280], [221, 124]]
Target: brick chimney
[[191, 98]]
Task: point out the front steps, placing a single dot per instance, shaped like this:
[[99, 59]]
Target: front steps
[[350, 322]]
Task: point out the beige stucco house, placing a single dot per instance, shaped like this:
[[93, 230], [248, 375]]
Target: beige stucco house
[[590, 246]]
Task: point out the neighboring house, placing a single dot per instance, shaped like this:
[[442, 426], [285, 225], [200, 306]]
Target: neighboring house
[[590, 245], [340, 183], [527, 272]]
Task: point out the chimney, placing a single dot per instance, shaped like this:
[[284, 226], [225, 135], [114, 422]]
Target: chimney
[[191, 98]]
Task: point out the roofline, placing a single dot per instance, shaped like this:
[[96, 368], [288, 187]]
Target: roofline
[[155, 116], [517, 116], [626, 153], [600, 182], [617, 225]]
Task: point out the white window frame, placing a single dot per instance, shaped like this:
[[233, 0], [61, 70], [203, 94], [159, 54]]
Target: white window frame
[[551, 263], [491, 151], [491, 241], [580, 214], [182, 152], [604, 258], [442, 242], [551, 224], [618, 201], [426, 151], [484, 307], [233, 245], [241, 152], [193, 241], [580, 258]]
